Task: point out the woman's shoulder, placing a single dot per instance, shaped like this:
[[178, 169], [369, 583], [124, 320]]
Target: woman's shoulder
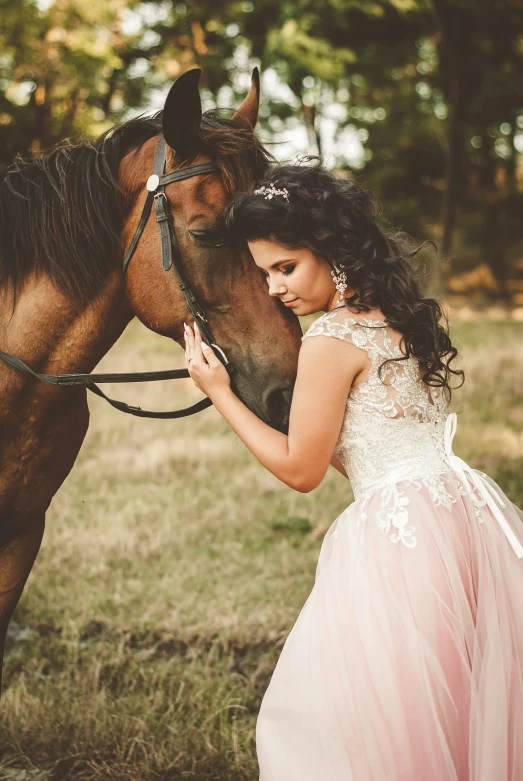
[[341, 321]]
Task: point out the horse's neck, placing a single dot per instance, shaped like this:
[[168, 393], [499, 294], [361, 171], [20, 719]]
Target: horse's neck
[[56, 336]]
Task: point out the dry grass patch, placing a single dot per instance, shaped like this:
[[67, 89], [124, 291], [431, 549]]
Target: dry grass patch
[[172, 569]]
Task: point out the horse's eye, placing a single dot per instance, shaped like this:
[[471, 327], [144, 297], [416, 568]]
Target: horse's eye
[[208, 238]]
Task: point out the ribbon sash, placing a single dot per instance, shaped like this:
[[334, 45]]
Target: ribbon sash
[[488, 493]]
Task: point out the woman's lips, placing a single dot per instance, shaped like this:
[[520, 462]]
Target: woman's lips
[[289, 303]]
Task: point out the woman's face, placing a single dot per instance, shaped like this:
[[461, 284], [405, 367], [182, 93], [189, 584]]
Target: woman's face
[[300, 279]]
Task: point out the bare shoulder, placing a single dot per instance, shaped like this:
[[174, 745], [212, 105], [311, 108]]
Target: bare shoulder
[[325, 354]]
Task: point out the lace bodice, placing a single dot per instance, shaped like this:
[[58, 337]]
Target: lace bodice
[[397, 432], [393, 428]]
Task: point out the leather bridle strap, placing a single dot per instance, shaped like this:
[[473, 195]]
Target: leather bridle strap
[[88, 381], [170, 250], [158, 179], [155, 194]]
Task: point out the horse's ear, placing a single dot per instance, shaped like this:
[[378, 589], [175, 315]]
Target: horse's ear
[[182, 114], [246, 115]]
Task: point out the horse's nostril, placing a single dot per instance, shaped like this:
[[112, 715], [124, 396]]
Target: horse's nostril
[[277, 402]]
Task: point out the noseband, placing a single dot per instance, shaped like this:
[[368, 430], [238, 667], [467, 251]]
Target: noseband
[[171, 257]]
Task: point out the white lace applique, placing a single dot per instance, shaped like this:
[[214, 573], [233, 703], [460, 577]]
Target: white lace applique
[[396, 516], [393, 427], [437, 490]]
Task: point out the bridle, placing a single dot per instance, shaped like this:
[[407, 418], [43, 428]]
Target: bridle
[[171, 257]]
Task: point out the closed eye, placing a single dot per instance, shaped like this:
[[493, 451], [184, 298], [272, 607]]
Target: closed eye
[[210, 235], [208, 238], [285, 272]]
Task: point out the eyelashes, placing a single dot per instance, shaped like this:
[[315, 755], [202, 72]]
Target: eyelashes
[[208, 238], [285, 273]]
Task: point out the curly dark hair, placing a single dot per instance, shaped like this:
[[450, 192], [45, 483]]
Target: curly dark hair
[[338, 221]]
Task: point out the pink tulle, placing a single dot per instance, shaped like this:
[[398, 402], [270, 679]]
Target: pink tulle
[[404, 663]]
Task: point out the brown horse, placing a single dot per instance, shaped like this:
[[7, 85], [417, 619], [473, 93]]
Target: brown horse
[[66, 218]]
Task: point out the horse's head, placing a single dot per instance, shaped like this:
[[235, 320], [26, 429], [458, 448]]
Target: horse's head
[[257, 333]]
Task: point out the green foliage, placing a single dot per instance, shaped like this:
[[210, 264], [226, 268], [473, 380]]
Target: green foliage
[[298, 49], [422, 96]]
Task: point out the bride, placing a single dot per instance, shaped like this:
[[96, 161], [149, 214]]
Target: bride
[[406, 660]]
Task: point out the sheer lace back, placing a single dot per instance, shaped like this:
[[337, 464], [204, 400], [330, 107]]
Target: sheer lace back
[[395, 435], [393, 426], [400, 391]]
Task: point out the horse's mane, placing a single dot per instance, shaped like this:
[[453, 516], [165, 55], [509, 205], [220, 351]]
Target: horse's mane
[[61, 211]]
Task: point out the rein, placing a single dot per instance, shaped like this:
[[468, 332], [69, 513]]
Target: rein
[[171, 257]]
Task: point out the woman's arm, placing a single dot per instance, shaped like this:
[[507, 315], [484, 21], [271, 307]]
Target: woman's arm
[[326, 368], [336, 463]]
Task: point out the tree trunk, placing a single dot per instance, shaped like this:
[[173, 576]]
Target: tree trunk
[[453, 170]]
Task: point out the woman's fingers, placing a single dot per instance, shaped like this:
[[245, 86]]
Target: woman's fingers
[[209, 355], [205, 367], [198, 343], [197, 334], [189, 339], [202, 348], [193, 341]]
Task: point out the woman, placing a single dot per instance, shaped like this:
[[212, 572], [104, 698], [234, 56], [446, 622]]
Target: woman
[[406, 661]]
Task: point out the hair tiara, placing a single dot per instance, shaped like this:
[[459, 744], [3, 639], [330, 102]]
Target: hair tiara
[[270, 192]]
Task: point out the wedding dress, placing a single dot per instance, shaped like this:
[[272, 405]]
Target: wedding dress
[[406, 661]]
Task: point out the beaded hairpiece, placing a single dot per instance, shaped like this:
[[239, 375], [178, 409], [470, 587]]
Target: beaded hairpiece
[[270, 192]]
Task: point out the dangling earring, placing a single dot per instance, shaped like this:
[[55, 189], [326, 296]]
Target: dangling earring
[[340, 279]]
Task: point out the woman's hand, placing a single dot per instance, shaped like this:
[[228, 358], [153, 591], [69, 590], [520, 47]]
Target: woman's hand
[[207, 371]]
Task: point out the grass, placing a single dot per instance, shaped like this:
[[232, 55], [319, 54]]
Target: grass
[[172, 569]]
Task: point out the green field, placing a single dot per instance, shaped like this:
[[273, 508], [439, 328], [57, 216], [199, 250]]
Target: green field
[[172, 569]]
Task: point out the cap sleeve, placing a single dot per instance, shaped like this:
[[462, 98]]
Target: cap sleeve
[[362, 333]]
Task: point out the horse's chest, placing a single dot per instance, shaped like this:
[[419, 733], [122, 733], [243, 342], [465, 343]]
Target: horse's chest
[[40, 437]]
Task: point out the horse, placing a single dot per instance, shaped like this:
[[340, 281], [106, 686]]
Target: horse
[[66, 218]]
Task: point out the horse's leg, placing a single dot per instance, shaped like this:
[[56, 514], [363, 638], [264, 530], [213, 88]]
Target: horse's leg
[[18, 550]]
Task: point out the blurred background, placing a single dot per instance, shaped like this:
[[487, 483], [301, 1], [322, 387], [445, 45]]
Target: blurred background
[[174, 565], [421, 99]]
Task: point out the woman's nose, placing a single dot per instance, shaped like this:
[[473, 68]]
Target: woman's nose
[[276, 290]]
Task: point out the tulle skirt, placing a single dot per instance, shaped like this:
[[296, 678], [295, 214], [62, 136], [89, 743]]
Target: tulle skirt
[[405, 663]]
